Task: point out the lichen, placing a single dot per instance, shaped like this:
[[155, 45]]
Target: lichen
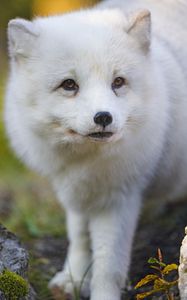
[[13, 286]]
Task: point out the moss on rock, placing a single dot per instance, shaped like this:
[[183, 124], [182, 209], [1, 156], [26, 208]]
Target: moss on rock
[[13, 286]]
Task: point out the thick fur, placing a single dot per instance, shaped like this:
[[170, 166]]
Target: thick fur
[[101, 184]]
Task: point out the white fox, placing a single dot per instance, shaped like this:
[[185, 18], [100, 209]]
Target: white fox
[[97, 101]]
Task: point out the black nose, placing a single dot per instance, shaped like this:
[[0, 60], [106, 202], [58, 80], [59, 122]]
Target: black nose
[[103, 118]]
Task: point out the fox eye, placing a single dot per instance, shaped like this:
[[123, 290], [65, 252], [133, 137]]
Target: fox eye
[[69, 85], [118, 83]]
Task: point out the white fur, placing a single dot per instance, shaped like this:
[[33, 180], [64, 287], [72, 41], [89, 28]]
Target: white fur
[[101, 184]]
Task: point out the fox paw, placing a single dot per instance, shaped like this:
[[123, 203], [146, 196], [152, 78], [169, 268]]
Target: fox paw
[[64, 285]]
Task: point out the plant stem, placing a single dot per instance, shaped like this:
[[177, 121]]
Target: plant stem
[[169, 296]]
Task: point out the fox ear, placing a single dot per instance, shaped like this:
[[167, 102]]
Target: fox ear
[[140, 28], [21, 36]]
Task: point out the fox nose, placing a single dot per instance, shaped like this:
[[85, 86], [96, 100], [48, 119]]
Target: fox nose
[[103, 118]]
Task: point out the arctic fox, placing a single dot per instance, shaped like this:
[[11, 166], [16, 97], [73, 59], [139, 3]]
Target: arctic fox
[[97, 101]]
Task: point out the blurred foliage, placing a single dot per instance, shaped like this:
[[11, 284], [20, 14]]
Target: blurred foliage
[[11, 9], [14, 8], [8, 160], [40, 279], [43, 7]]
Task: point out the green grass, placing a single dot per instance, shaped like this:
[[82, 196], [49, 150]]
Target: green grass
[[40, 279]]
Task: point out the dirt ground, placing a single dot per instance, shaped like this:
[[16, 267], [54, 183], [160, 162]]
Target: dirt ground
[[160, 226]]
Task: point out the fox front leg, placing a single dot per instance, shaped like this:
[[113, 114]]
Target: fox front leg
[[75, 276], [112, 232]]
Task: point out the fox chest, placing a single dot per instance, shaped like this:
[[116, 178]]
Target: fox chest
[[89, 187]]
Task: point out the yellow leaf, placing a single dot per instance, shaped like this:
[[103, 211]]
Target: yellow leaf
[[146, 280], [170, 268], [161, 284], [143, 295], [173, 283]]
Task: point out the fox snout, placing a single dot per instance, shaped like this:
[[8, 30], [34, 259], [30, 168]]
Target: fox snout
[[103, 118]]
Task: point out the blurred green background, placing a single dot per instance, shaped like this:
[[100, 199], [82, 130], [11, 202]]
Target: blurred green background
[[27, 203]]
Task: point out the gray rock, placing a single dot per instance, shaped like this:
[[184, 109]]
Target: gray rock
[[13, 256]]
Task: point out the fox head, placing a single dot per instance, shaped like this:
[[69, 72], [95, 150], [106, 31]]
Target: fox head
[[80, 79]]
